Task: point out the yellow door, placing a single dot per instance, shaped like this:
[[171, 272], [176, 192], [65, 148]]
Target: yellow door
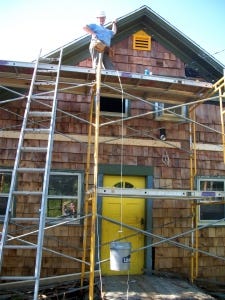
[[130, 211]]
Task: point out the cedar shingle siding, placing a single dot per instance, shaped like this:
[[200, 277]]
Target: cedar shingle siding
[[170, 217]]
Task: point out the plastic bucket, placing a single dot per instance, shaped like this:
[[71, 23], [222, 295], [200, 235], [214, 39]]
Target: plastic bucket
[[120, 256]]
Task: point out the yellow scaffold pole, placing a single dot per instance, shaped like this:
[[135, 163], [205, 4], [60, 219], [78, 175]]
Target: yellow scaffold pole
[[87, 197], [94, 200]]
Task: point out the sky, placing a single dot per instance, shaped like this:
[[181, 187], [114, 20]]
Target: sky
[[28, 26]]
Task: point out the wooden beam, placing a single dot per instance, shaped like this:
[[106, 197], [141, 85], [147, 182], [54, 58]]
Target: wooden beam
[[111, 140]]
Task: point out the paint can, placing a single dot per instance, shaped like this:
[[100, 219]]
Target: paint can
[[120, 256]]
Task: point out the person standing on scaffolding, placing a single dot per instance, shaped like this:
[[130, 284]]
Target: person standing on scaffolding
[[101, 40]]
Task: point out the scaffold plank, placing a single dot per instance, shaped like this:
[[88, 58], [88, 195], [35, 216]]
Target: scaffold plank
[[151, 87]]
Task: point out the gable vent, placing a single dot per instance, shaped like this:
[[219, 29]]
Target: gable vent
[[141, 41]]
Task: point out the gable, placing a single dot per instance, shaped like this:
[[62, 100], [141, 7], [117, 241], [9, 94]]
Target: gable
[[162, 31], [156, 60]]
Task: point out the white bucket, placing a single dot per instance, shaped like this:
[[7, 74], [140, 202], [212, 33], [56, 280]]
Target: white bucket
[[120, 256]]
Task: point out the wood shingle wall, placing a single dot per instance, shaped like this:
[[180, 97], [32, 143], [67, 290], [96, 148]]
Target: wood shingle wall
[[170, 217]]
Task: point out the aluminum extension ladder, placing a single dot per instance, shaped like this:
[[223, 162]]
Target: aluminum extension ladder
[[33, 125]]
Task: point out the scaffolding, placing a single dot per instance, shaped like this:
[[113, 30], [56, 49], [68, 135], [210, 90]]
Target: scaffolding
[[101, 85]]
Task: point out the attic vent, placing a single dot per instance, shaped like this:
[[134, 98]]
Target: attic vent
[[141, 41]]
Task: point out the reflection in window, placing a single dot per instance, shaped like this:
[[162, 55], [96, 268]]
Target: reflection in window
[[63, 184], [211, 211]]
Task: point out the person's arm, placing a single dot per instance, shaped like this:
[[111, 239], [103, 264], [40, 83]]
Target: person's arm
[[114, 27], [88, 30]]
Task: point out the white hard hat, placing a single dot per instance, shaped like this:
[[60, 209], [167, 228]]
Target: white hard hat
[[101, 14]]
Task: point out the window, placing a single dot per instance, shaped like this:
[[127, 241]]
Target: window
[[64, 196], [5, 181], [164, 112], [209, 212], [124, 184], [114, 107]]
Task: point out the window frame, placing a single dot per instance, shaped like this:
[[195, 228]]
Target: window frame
[[207, 221], [78, 197], [124, 113], [5, 195]]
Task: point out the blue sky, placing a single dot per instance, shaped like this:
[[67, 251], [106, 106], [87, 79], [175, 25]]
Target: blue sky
[[26, 26]]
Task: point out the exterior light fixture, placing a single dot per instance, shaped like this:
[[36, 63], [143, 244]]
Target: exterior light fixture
[[162, 134]]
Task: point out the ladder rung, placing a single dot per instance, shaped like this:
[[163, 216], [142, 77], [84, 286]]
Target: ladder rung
[[46, 71], [27, 193], [33, 220], [42, 97], [40, 114], [37, 130], [9, 278], [20, 246], [30, 170], [49, 59], [34, 149], [45, 83]]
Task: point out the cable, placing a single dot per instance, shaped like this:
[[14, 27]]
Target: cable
[[99, 258], [128, 283], [218, 52], [121, 173], [121, 156]]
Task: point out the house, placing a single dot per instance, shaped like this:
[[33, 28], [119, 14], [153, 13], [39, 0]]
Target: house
[[150, 172]]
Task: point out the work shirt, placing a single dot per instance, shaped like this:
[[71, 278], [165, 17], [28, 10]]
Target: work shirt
[[102, 33]]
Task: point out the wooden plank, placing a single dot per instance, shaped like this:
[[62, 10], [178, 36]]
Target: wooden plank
[[108, 140], [84, 139]]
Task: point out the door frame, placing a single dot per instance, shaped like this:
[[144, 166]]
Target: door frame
[[147, 172]]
